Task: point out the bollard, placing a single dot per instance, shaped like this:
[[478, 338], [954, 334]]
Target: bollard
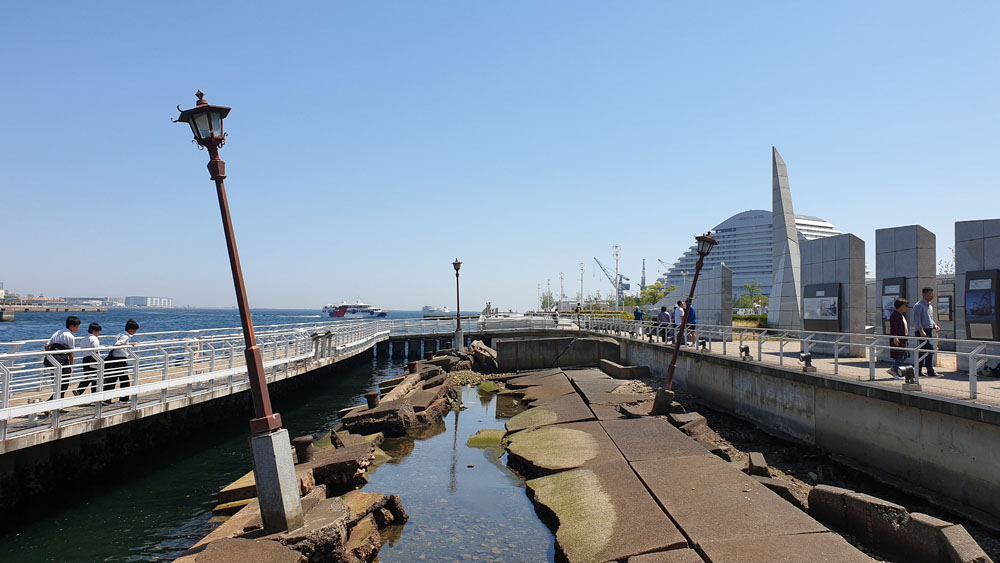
[[372, 398], [303, 448]]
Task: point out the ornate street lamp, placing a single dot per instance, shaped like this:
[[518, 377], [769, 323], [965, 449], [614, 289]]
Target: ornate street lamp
[[274, 473], [705, 245], [459, 338]]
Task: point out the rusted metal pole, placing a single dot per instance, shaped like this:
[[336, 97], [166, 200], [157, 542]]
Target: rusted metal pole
[[684, 320], [266, 420]]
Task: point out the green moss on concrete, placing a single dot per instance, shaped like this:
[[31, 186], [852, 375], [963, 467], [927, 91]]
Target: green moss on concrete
[[488, 387], [532, 418], [553, 448], [324, 442], [486, 438], [584, 510], [380, 457]]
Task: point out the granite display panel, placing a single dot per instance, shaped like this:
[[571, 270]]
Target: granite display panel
[[981, 319], [821, 307]]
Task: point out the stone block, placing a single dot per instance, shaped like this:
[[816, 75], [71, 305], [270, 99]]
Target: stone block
[[826, 504], [925, 239], [991, 253], [906, 263], [872, 520], [857, 270], [829, 272], [758, 465], [783, 490], [829, 248], [885, 266], [885, 241], [960, 547], [969, 256], [917, 539], [856, 247], [968, 230], [991, 228], [905, 237], [842, 271]]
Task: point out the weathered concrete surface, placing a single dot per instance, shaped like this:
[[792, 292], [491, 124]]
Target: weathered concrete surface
[[558, 386], [682, 555], [514, 355], [233, 550], [610, 412], [936, 443], [392, 418], [959, 546], [560, 447], [564, 408], [804, 548], [650, 438], [618, 371], [603, 513], [712, 501]]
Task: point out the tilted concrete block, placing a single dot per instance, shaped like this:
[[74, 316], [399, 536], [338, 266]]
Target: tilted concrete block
[[873, 520], [826, 504], [960, 547]]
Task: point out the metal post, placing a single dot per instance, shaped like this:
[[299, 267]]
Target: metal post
[[459, 338], [684, 320]]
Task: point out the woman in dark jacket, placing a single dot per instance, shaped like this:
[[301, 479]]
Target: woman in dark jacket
[[898, 329]]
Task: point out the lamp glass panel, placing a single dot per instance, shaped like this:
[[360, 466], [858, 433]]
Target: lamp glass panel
[[201, 122], [216, 123], [194, 128]]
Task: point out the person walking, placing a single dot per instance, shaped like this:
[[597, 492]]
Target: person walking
[[663, 322], [897, 332], [62, 339], [117, 359], [637, 315], [692, 325], [678, 319], [925, 327], [93, 357]]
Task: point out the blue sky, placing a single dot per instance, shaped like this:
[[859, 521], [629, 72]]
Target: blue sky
[[372, 143]]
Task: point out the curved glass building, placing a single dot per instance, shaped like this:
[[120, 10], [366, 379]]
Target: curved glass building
[[745, 247]]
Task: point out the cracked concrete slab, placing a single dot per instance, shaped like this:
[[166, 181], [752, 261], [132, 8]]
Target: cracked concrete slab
[[797, 548], [564, 408], [649, 438], [559, 447], [603, 513]]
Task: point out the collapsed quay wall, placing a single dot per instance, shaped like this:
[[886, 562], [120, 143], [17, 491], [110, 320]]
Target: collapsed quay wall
[[945, 446]]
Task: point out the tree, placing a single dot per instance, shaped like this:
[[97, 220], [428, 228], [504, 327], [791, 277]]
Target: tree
[[947, 266], [653, 293], [753, 295], [548, 301]]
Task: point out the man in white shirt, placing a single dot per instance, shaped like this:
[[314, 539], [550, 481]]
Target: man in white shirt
[[117, 360], [678, 319], [62, 339], [93, 341]]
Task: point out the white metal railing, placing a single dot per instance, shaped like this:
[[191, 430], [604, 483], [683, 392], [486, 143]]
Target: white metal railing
[[725, 336], [38, 392]]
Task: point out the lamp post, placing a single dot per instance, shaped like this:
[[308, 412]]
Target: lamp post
[[562, 294], [705, 244], [277, 487], [618, 278], [459, 339], [581, 284]]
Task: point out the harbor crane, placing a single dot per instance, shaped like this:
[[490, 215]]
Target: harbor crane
[[620, 287]]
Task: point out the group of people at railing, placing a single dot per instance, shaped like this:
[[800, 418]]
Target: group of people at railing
[[63, 342]]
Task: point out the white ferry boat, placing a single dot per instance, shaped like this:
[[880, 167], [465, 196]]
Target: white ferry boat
[[432, 311], [354, 310]]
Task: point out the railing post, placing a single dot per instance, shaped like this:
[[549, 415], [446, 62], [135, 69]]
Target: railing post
[[5, 379], [871, 358], [190, 354]]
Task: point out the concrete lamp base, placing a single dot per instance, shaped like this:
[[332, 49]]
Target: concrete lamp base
[[911, 387], [459, 341], [277, 486]]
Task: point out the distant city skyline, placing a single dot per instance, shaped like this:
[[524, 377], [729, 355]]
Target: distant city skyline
[[371, 145]]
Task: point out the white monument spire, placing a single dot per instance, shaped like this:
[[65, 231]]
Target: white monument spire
[[784, 310]]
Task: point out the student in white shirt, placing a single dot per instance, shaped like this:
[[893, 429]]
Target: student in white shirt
[[88, 361], [117, 360], [63, 339], [678, 319]]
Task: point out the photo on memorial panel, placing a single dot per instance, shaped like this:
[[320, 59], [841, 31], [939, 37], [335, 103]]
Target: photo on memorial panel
[[821, 308]]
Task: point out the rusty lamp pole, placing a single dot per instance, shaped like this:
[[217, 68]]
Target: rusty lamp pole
[[277, 487], [459, 338], [705, 244]]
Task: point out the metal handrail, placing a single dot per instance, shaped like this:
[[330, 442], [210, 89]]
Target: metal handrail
[[841, 341]]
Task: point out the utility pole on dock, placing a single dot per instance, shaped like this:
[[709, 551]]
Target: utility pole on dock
[[562, 294], [618, 278], [581, 284], [273, 468]]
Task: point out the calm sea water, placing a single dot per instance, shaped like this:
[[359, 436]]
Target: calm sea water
[[165, 504], [28, 326]]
